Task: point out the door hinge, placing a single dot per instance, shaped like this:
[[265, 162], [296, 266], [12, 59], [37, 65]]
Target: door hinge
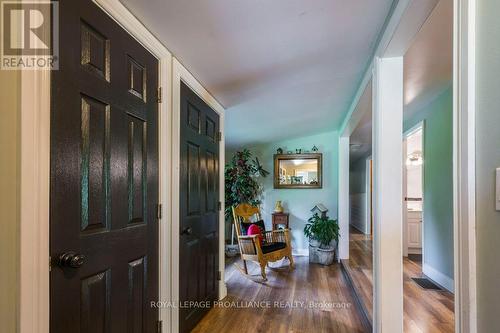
[[159, 326], [219, 275], [219, 136], [219, 206], [159, 99], [50, 263], [159, 211]]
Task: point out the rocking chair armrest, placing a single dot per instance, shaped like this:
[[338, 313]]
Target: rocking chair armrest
[[248, 237], [249, 244]]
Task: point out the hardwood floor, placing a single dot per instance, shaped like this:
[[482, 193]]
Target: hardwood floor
[[424, 310], [308, 283], [360, 269]]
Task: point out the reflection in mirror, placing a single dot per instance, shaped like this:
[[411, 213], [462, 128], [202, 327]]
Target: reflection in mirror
[[297, 171]]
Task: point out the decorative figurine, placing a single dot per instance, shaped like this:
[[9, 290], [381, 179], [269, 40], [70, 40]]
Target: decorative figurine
[[279, 151], [314, 148], [298, 151], [278, 208]]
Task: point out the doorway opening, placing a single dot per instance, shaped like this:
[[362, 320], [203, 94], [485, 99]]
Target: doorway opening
[[427, 165], [413, 194], [359, 266]]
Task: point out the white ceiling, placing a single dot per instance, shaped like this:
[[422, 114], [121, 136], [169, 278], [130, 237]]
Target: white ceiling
[[281, 68], [361, 138], [428, 63], [428, 71]]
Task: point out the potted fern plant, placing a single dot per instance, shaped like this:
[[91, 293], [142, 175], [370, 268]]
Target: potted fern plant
[[323, 235]]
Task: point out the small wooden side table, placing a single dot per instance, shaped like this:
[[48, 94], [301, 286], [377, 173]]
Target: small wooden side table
[[280, 219]]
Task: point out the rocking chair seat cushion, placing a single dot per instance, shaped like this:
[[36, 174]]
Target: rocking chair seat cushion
[[271, 247]]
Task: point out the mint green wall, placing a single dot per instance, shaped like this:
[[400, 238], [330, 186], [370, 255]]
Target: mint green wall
[[357, 195], [487, 160], [298, 202], [357, 176], [438, 182]]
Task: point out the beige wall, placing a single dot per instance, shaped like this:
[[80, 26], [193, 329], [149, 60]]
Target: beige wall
[[488, 158], [9, 199], [10, 87]]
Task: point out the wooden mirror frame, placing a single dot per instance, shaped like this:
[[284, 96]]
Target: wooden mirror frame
[[308, 156]]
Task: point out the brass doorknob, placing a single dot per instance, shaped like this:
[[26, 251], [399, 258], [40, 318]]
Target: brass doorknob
[[71, 259]]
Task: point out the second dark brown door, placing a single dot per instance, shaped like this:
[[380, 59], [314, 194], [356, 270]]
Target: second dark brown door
[[199, 198], [104, 178]]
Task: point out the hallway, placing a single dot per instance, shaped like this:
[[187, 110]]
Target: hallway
[[424, 310], [146, 142], [322, 287]]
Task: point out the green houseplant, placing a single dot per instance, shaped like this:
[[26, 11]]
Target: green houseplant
[[241, 183], [323, 235]]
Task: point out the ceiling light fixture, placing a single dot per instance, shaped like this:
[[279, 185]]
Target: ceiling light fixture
[[415, 159]]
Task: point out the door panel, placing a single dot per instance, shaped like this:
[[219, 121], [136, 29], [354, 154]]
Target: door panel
[[199, 215], [95, 311], [137, 274], [95, 164], [414, 233], [104, 177]]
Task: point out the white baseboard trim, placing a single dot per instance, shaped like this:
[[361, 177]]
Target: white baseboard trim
[[442, 280], [222, 290], [412, 250], [300, 252]]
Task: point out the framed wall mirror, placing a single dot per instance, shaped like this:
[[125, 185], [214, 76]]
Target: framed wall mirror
[[298, 171]]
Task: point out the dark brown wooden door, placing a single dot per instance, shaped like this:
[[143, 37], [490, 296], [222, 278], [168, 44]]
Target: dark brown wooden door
[[199, 214], [104, 177]]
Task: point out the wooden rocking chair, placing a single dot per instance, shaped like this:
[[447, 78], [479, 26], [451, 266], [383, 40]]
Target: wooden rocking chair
[[276, 244]]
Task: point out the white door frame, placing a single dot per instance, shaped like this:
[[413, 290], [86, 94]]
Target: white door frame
[[368, 189], [387, 195], [405, 194], [34, 287], [180, 73], [464, 168], [343, 197]]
